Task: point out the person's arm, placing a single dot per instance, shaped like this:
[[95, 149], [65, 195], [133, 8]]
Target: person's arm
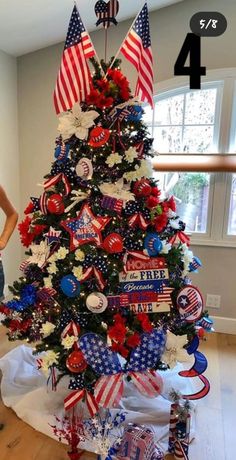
[[11, 218]]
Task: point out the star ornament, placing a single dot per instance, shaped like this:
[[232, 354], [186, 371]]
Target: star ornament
[[85, 228]]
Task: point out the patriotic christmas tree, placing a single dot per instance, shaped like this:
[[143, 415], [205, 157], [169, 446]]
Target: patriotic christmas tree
[[105, 274]]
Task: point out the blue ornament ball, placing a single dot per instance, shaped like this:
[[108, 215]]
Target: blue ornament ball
[[136, 112], [153, 244], [70, 286]]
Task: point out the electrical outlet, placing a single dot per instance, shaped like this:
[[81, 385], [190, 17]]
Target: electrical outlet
[[213, 301]]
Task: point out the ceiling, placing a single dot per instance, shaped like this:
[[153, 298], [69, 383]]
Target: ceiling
[[28, 25]]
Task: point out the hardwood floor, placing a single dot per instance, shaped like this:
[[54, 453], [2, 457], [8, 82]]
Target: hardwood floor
[[215, 431]]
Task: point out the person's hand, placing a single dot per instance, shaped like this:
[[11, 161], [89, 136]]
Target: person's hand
[[2, 245]]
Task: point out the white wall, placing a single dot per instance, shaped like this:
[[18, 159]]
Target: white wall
[[9, 155], [37, 121]]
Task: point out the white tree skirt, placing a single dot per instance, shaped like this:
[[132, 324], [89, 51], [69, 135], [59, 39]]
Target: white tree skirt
[[24, 389]]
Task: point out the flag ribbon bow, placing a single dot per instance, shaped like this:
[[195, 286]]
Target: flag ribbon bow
[[181, 236], [138, 219], [76, 396], [71, 329], [58, 178], [93, 271], [109, 388]]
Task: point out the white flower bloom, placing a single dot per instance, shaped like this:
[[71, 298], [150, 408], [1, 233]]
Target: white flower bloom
[[78, 272], [76, 122], [47, 328], [48, 282], [144, 170], [174, 350], [113, 159], [131, 154], [68, 341], [52, 268], [166, 247], [61, 253], [79, 255], [187, 258], [48, 360]]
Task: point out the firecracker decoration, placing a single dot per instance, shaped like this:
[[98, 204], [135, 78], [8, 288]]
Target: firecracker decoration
[[106, 270], [71, 429], [138, 444], [105, 430], [179, 431]]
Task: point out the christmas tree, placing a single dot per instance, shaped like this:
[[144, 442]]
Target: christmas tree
[[107, 261]]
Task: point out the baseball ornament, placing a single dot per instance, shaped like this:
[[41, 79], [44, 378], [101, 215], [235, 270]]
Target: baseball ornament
[[142, 188], [70, 286], [98, 136], [113, 243], [76, 362], [96, 302], [152, 244], [55, 204], [84, 169]]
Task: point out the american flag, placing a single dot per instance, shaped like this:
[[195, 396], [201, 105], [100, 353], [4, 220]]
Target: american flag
[[137, 49], [73, 80], [164, 295]]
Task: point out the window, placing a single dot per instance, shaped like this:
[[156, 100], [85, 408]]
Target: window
[[198, 123]]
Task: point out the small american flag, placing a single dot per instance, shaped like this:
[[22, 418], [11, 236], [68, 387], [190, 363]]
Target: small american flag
[[73, 80], [164, 295], [137, 50]]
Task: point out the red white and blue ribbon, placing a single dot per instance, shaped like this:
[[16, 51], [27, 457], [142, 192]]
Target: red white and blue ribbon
[[93, 271], [138, 220], [181, 236], [71, 329], [199, 366], [76, 396], [58, 178]]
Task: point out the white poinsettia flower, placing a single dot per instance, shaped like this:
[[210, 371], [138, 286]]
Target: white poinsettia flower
[[118, 190], [114, 159], [40, 253], [76, 122], [174, 351], [131, 154], [68, 341], [175, 223], [47, 328]]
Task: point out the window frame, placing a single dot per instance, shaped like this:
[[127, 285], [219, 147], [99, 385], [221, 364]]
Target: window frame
[[220, 182]]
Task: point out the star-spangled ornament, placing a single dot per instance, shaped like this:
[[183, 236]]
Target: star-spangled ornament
[[85, 228], [52, 236]]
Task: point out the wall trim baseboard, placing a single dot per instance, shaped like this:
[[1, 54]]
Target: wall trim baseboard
[[224, 325]]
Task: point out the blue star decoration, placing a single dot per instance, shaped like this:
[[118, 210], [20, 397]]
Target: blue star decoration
[[85, 228]]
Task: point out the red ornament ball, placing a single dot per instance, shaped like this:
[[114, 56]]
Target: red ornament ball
[[55, 204], [98, 136], [152, 201], [76, 362], [113, 243], [142, 188]]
